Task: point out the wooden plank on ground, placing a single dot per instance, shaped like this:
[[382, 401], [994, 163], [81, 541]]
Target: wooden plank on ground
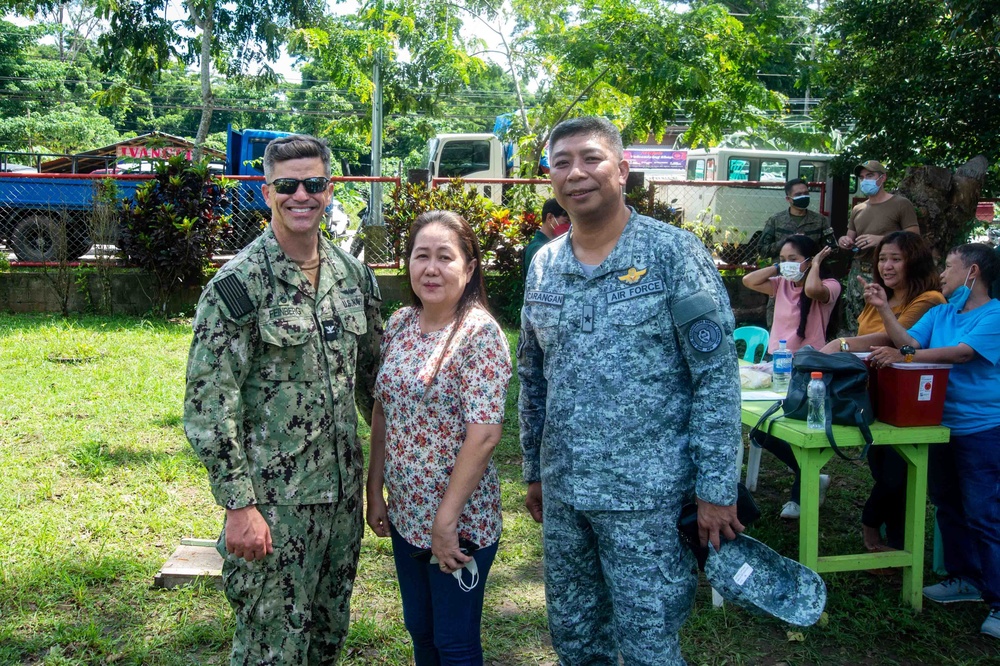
[[191, 564]]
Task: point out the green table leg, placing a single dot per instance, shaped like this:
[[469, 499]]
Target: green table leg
[[811, 462], [916, 512]]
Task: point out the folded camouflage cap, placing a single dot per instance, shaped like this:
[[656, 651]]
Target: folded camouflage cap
[[749, 574]]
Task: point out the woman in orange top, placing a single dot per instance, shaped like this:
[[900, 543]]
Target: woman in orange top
[[906, 271]]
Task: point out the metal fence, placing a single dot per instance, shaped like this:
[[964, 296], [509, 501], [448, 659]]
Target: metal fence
[[728, 216], [498, 189], [54, 218]]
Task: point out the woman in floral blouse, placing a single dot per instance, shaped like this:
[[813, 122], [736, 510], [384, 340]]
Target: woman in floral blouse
[[439, 408]]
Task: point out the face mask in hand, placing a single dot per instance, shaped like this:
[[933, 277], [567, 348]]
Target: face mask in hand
[[801, 202], [473, 570], [790, 270], [869, 186]]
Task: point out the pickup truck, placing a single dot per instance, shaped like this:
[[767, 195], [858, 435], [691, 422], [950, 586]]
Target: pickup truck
[[33, 206]]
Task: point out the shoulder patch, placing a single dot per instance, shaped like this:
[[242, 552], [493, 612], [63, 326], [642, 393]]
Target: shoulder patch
[[705, 335], [232, 292]]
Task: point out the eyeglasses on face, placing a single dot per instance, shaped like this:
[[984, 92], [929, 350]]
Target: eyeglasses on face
[[313, 185]]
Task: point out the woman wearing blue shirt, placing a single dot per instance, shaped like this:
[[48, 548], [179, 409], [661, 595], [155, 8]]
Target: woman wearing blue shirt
[[964, 480]]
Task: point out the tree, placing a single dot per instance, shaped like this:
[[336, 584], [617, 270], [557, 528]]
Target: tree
[[233, 38], [914, 82]]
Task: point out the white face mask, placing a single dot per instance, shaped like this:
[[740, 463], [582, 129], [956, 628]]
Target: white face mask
[[790, 270], [473, 569]]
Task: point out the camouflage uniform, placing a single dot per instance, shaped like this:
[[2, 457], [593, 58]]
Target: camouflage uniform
[[273, 374], [629, 406], [783, 224]]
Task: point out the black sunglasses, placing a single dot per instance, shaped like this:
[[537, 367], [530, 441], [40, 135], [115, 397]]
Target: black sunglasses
[[314, 185]]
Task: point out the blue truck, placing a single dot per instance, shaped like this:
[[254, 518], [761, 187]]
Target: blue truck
[[35, 206]]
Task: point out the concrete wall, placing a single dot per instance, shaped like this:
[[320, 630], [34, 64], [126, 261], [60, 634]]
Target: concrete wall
[[132, 294]]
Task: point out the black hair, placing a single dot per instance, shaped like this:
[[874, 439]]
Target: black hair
[[981, 255], [792, 183], [602, 127], [475, 290], [808, 248], [552, 206], [295, 147]]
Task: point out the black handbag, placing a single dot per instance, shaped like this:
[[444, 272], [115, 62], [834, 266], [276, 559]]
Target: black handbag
[[847, 401]]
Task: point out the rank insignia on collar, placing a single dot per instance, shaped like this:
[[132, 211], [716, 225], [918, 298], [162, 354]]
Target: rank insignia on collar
[[632, 276]]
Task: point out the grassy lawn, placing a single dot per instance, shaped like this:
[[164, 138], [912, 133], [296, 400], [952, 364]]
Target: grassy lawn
[[98, 485]]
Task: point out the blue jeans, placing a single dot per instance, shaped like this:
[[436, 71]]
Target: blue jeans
[[964, 484], [443, 621]]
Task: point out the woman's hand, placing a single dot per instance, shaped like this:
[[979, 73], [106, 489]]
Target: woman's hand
[[378, 514], [821, 255], [885, 356], [444, 546], [875, 295]]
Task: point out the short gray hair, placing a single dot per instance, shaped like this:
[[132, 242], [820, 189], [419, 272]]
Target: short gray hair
[[589, 125], [294, 147]]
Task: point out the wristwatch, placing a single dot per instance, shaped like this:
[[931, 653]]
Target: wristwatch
[[907, 351], [844, 347]]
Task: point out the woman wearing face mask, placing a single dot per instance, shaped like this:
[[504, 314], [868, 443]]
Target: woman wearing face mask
[[805, 294], [440, 398], [908, 285], [964, 478]]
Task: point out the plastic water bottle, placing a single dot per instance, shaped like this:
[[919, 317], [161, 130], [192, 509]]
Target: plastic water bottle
[[781, 367], [816, 392]]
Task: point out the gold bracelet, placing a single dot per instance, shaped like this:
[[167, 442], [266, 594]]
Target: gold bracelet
[[844, 347]]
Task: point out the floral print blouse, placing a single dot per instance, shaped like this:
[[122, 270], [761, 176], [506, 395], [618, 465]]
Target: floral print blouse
[[425, 427]]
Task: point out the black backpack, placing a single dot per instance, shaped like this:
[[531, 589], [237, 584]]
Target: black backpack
[[847, 401]]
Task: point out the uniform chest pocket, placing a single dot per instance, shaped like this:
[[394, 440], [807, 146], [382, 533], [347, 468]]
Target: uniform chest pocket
[[545, 322], [351, 312], [638, 316], [289, 351]]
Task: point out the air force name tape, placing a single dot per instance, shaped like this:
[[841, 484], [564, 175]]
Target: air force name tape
[[234, 295], [620, 295]]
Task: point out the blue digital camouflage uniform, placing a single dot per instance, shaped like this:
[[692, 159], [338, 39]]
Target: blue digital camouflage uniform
[[629, 406], [273, 374]]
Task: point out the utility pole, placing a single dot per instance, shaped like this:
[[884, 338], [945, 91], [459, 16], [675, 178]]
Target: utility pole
[[375, 234]]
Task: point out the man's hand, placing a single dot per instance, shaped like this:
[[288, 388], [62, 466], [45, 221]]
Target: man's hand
[[247, 534], [714, 520], [533, 500], [867, 241], [846, 242]]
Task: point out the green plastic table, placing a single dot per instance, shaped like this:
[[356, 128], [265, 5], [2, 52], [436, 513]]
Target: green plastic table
[[812, 451]]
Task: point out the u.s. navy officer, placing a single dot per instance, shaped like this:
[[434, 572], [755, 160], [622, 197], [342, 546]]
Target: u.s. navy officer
[[286, 339], [629, 408]]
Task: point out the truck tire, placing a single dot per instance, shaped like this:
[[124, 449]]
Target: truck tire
[[35, 238]]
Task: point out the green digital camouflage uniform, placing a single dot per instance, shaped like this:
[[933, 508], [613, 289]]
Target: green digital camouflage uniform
[[273, 374], [783, 224], [629, 406]]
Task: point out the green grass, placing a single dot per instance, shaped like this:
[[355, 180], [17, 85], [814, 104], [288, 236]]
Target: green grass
[[98, 486]]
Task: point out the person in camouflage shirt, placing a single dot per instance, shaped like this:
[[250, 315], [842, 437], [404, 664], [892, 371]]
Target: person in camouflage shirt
[[286, 343], [797, 219], [629, 408]]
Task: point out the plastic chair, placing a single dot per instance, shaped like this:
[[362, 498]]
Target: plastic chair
[[754, 337]]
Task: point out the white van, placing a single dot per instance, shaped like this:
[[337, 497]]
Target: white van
[[764, 171]]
